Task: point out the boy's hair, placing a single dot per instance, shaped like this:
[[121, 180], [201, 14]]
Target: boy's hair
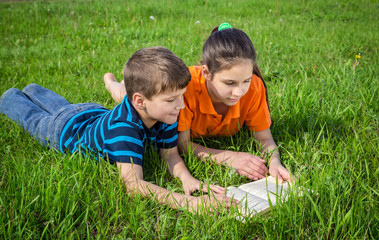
[[228, 47], [154, 70]]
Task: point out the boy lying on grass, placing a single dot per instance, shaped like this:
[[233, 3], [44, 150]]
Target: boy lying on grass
[[155, 79]]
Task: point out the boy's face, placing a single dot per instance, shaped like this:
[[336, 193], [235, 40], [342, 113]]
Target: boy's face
[[164, 107], [229, 86]]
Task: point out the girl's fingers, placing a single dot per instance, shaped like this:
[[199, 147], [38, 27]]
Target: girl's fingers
[[250, 174], [260, 159], [257, 167], [246, 174], [253, 170]]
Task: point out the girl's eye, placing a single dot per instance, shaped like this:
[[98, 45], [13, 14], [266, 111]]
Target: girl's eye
[[247, 81], [170, 100], [229, 83]]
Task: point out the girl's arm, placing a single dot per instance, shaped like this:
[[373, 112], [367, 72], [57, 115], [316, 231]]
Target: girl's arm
[[246, 164], [270, 148], [133, 178]]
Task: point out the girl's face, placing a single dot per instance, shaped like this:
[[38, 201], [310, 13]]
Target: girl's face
[[228, 86]]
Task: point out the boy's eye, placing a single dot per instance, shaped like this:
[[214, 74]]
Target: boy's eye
[[229, 83], [247, 81], [170, 100]]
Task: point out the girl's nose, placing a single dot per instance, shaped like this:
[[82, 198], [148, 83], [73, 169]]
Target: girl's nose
[[238, 92]]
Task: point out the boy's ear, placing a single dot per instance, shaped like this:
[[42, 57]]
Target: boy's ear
[[205, 72], [139, 101]]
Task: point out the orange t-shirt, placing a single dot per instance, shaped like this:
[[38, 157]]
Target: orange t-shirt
[[201, 118]]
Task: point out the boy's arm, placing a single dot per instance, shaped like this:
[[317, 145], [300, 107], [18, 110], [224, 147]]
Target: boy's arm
[[246, 164], [269, 147], [178, 169], [133, 178]]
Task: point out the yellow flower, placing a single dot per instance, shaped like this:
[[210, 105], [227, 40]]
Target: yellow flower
[[358, 56]]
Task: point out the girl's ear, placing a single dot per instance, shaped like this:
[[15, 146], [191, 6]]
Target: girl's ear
[[139, 101], [205, 72]]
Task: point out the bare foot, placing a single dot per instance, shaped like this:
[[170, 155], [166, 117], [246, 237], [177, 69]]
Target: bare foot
[[116, 89]]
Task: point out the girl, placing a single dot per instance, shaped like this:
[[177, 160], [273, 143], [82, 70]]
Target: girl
[[225, 92]]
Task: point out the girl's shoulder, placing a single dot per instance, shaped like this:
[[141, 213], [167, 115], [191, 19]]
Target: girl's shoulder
[[196, 73], [256, 89], [197, 79], [256, 83]]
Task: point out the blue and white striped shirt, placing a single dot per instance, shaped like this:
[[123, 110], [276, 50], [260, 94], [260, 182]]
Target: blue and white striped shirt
[[118, 134]]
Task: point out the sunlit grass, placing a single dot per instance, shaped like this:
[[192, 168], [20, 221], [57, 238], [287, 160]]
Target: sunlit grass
[[323, 101]]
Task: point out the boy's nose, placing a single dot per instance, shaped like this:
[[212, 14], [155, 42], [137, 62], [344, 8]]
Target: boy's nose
[[181, 103]]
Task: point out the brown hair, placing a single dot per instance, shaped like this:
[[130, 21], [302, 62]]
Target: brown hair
[[154, 70], [228, 47]]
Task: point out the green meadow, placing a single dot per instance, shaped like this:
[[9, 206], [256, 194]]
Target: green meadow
[[319, 60]]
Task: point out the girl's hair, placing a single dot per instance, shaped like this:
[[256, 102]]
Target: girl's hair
[[228, 47]]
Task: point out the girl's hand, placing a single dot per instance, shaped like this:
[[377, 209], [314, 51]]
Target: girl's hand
[[276, 170], [191, 184], [248, 165]]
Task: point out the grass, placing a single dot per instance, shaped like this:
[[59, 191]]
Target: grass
[[322, 98]]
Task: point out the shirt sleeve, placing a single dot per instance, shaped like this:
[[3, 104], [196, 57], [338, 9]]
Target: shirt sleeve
[[258, 117], [186, 115], [126, 146], [168, 138]]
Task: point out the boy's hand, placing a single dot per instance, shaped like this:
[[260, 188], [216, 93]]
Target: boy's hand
[[248, 165], [210, 202], [277, 170], [191, 184]]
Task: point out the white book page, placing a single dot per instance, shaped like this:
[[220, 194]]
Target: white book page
[[255, 204], [259, 188]]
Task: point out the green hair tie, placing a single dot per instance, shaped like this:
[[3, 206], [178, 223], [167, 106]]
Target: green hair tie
[[224, 26]]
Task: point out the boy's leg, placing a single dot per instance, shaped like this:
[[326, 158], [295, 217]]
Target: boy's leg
[[45, 98], [18, 107], [116, 89]]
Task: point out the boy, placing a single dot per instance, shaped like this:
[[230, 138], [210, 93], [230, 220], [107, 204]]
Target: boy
[[155, 80]]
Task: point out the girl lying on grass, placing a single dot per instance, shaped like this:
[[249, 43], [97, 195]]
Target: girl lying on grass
[[226, 91]]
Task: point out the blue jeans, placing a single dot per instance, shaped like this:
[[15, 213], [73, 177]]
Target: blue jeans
[[41, 112]]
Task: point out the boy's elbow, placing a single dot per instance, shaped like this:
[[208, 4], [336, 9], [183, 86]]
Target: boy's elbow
[[181, 146], [132, 185], [184, 146], [183, 143]]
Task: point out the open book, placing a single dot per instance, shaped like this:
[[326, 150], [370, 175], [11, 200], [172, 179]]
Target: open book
[[256, 195]]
